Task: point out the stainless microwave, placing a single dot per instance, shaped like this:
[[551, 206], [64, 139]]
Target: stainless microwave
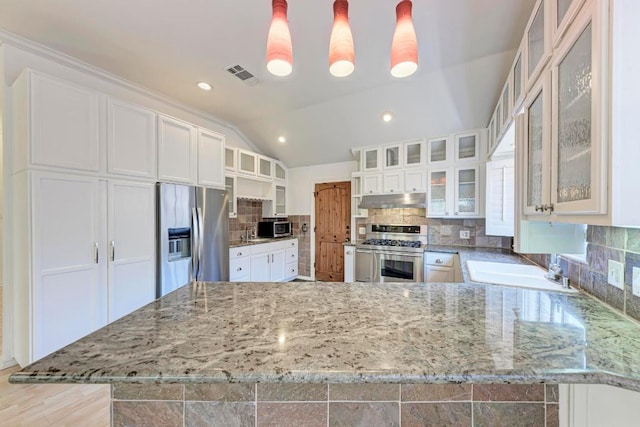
[[274, 229]]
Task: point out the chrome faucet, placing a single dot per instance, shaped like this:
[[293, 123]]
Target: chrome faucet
[[555, 272]]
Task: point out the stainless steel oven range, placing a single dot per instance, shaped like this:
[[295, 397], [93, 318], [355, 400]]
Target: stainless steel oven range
[[391, 253]]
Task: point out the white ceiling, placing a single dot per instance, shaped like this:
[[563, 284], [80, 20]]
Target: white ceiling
[[466, 49]]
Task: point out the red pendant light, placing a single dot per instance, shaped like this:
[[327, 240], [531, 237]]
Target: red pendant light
[[404, 50], [279, 57], [341, 52]]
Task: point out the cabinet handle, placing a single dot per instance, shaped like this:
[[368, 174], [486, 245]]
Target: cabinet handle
[[349, 253], [539, 208], [455, 213], [97, 257], [268, 259], [438, 261], [392, 190], [113, 251], [446, 213], [548, 207], [272, 258]]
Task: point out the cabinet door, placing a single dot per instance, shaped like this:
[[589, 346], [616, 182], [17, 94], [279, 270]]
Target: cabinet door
[[370, 159], [467, 191], [500, 198], [536, 148], [261, 267], [278, 260], [281, 200], [65, 125], [230, 159], [372, 184], [492, 141], [349, 263], [392, 156], [439, 151], [414, 181], [414, 154], [265, 167], [230, 186], [538, 41], [247, 162], [563, 13], [517, 80], [506, 104], [467, 146], [69, 261], [439, 274], [132, 251], [177, 151], [211, 153], [131, 140], [280, 171], [439, 197], [578, 167], [393, 182]]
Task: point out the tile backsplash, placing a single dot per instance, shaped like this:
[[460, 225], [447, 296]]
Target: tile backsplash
[[249, 214], [604, 244], [441, 231]]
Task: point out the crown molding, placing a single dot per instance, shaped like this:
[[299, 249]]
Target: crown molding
[[20, 42]]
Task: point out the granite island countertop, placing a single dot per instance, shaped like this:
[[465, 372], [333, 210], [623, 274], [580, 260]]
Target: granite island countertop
[[356, 332]]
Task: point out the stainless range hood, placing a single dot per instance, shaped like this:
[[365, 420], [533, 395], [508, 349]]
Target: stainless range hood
[[406, 200]]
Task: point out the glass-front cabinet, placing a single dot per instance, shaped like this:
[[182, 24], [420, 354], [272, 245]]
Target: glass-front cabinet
[[439, 151], [563, 12], [517, 81], [230, 186], [577, 155], [467, 146], [538, 43], [280, 171], [413, 153], [506, 104], [281, 200], [371, 159], [438, 193], [247, 162], [265, 167], [392, 156], [230, 159], [467, 191]]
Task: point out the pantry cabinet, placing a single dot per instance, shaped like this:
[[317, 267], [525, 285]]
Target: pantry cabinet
[[57, 124], [177, 151], [131, 140]]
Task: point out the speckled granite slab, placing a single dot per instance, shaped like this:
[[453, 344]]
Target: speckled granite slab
[[357, 332]]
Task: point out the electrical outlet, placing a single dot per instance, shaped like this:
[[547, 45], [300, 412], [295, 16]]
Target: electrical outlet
[[464, 234], [615, 275], [635, 281]]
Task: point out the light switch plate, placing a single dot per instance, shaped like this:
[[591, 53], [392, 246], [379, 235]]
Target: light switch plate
[[635, 281], [615, 275], [464, 234]]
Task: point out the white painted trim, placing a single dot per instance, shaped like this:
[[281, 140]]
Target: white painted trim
[[312, 268], [5, 364], [78, 65], [304, 278]]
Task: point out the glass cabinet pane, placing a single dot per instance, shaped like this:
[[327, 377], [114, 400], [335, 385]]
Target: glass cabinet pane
[[466, 191], [574, 121], [466, 147], [535, 38], [498, 119], [505, 105], [414, 154], [517, 79], [392, 155], [534, 152], [247, 162], [229, 158], [437, 193], [281, 200], [265, 167], [281, 173], [438, 150], [229, 186], [371, 159]]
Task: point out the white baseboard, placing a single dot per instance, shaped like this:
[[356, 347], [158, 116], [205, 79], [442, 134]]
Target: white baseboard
[[305, 278], [4, 364]]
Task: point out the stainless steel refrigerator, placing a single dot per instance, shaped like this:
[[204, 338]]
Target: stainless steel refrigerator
[[193, 236]]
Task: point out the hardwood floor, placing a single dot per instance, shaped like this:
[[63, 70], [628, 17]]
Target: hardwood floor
[[39, 405]]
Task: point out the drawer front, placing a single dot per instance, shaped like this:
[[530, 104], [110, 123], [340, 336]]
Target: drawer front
[[262, 248], [239, 252], [292, 243], [281, 244], [291, 255], [291, 270], [239, 267], [434, 258]]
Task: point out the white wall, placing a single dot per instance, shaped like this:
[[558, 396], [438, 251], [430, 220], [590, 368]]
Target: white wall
[[302, 180]]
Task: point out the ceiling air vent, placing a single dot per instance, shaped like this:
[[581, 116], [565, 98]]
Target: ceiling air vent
[[242, 74]]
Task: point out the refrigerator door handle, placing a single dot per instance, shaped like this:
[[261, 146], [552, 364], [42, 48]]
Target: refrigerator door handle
[[200, 239], [194, 244]]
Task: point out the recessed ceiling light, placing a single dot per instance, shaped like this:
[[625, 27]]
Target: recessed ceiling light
[[282, 139], [204, 85], [387, 116]]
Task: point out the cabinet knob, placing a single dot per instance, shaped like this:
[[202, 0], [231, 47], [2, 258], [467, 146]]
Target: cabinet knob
[[370, 191], [239, 254], [446, 213], [392, 190], [349, 253], [293, 255], [438, 261], [414, 188], [456, 213], [239, 269]]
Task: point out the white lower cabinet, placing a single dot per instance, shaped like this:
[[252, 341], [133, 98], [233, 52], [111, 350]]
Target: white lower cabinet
[[72, 281], [349, 263], [266, 262], [440, 267]]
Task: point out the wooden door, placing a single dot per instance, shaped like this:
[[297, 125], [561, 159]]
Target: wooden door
[[332, 229]]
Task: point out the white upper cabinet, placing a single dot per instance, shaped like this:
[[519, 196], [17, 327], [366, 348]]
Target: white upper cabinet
[[372, 184], [517, 80], [131, 140], [230, 184], [393, 182], [414, 180], [500, 202], [538, 40], [230, 159], [506, 105], [467, 191], [177, 151], [211, 154], [265, 167], [414, 154], [247, 162], [439, 151], [56, 124], [439, 195], [454, 192], [392, 156], [280, 171], [371, 159], [467, 146]]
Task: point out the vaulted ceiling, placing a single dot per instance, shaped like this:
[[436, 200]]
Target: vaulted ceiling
[[466, 49]]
